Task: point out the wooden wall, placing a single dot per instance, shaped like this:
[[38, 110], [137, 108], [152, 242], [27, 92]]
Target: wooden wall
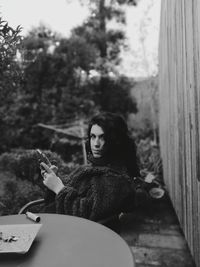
[[179, 118]]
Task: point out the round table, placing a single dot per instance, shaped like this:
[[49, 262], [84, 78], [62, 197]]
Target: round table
[[69, 241]]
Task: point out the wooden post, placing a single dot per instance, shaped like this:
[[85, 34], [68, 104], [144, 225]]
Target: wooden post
[[83, 143]]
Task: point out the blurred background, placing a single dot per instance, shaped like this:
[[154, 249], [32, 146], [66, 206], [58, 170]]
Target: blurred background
[[60, 63]]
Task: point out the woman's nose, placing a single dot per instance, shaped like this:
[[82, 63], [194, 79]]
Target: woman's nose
[[96, 142]]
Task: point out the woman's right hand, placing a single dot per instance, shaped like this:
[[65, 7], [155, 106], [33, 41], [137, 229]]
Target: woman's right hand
[[51, 180]]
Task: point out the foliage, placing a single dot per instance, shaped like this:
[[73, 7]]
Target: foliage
[[96, 29], [10, 79], [57, 81], [23, 181], [54, 90], [24, 165], [149, 159], [113, 94], [144, 124], [16, 194], [69, 150], [10, 41], [149, 186], [59, 85], [121, 2]]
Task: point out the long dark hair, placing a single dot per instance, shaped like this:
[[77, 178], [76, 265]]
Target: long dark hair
[[119, 145]]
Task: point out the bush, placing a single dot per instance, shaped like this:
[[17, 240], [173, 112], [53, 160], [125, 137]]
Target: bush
[[21, 179], [149, 159], [24, 165], [16, 194]]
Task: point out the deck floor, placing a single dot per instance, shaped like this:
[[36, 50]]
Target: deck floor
[[155, 236]]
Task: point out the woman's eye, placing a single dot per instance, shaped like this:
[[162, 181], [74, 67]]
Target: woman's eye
[[102, 138]]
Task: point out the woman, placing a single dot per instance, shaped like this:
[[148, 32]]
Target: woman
[[103, 187]]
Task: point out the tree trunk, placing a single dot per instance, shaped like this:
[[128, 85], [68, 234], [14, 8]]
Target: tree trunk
[[102, 20]]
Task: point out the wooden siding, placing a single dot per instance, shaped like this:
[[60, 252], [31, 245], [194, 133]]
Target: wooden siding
[[179, 118]]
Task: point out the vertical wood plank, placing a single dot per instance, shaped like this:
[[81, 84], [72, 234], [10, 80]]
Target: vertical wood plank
[[179, 114]]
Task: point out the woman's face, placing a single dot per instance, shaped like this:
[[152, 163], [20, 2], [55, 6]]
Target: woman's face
[[97, 141]]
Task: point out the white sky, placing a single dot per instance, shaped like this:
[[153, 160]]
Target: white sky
[[59, 15]]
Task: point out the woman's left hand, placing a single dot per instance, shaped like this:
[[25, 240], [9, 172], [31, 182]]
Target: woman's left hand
[[51, 180]]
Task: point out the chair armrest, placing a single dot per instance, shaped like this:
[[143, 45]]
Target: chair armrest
[[30, 205]]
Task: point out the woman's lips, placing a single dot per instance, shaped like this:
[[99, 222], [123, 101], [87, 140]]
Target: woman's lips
[[96, 151]]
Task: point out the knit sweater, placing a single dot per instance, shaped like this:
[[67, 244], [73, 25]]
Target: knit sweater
[[94, 192]]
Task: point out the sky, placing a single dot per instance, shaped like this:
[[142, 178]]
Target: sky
[[142, 29]]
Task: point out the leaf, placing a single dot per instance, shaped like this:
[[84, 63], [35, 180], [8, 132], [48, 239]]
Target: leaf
[[149, 178]]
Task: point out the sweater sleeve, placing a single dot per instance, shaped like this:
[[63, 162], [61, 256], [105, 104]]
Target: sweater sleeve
[[68, 201], [101, 197]]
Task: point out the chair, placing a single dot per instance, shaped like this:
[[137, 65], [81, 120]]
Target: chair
[[30, 205], [112, 222]]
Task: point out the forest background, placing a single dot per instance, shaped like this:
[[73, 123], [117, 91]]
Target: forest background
[[50, 85]]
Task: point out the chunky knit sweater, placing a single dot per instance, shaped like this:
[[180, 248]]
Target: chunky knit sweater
[[94, 192]]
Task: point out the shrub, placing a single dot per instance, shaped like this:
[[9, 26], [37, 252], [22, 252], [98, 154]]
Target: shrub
[[149, 159], [17, 193], [23, 182], [24, 165]]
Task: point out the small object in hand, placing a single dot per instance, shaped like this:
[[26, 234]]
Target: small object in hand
[[33, 216], [42, 158]]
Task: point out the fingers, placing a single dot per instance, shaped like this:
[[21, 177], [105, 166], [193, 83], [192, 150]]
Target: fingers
[[54, 168], [46, 170], [45, 182], [45, 178], [45, 167], [43, 172]]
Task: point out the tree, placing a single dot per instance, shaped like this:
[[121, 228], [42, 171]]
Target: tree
[[56, 79], [95, 30], [54, 87], [58, 83], [10, 79], [108, 42], [113, 95]]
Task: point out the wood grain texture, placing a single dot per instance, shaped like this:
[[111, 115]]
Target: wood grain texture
[[179, 120]]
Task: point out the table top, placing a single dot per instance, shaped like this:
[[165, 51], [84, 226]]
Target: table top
[[69, 241]]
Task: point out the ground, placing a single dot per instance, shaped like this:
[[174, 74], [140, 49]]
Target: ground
[[155, 237]]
